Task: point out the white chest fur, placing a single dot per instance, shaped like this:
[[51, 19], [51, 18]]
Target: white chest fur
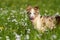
[[37, 23]]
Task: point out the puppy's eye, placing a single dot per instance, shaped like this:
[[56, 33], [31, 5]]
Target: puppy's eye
[[34, 13], [29, 13]]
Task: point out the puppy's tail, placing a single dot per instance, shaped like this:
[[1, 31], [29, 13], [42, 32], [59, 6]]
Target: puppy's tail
[[57, 17]]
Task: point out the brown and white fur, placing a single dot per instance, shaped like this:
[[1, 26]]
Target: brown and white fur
[[41, 23]]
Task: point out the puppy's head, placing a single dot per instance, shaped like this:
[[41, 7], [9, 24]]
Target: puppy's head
[[32, 12]]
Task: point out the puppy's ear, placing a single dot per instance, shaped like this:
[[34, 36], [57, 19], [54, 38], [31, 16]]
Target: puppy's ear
[[36, 8], [28, 8]]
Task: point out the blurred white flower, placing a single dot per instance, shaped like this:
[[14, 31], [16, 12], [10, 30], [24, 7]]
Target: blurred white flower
[[44, 5], [22, 13], [8, 18], [13, 16], [53, 36], [22, 19], [0, 37], [25, 11], [14, 33], [17, 36], [14, 20], [7, 38], [1, 8], [16, 23], [46, 11], [45, 14], [13, 11], [57, 13], [27, 37], [21, 8], [21, 35], [25, 24], [1, 28], [26, 17], [6, 23], [28, 30], [4, 12], [2, 17], [39, 35]]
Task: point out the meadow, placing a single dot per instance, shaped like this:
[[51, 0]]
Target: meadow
[[15, 24]]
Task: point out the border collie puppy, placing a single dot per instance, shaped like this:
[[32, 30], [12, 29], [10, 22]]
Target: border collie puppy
[[41, 23]]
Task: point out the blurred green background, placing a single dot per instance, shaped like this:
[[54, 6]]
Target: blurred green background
[[15, 24]]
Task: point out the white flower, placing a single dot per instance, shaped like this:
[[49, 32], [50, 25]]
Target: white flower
[[16, 23], [45, 14], [21, 35], [14, 20], [0, 37], [39, 35], [8, 18], [27, 37], [13, 11], [13, 16], [5, 11], [28, 30], [18, 37], [22, 19], [26, 17], [1, 8], [22, 23], [53, 36], [46, 11], [7, 38], [21, 8], [25, 11], [6, 23], [25, 24], [22, 13], [57, 13]]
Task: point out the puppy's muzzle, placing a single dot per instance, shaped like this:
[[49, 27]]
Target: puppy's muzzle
[[31, 18]]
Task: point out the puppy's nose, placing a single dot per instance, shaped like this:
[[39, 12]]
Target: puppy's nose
[[31, 18]]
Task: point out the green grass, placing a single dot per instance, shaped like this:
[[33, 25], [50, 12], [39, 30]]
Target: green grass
[[14, 19]]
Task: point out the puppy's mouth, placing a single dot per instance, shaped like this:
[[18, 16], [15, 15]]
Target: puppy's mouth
[[31, 18]]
